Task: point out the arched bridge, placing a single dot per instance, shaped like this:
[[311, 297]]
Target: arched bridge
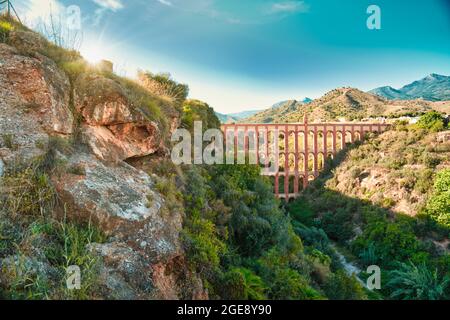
[[299, 154]]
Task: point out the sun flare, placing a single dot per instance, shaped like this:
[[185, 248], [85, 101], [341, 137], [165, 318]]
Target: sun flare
[[93, 53]]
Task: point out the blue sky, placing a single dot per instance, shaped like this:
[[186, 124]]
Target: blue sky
[[248, 54]]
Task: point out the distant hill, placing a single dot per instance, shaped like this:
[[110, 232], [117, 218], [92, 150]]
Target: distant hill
[[225, 118], [345, 103], [276, 110], [434, 87], [242, 116], [388, 93], [235, 117]]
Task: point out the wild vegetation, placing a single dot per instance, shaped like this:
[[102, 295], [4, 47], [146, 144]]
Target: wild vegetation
[[243, 243], [29, 232], [237, 237], [366, 221], [349, 104]]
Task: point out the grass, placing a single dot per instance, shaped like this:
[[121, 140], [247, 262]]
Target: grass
[[5, 28], [27, 204], [66, 245], [8, 141]]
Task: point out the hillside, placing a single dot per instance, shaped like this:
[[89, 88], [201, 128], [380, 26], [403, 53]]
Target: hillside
[[346, 103], [386, 202], [434, 87], [87, 184], [224, 118], [235, 117]]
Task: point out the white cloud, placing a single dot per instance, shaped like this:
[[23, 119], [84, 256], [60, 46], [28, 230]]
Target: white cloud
[[38, 10], [112, 5], [288, 7], [166, 3]]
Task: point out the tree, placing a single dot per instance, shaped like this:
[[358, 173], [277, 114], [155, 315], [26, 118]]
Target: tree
[[411, 282], [438, 206], [340, 286], [244, 284], [432, 121]]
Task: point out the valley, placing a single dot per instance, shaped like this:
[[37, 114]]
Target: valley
[[86, 179]]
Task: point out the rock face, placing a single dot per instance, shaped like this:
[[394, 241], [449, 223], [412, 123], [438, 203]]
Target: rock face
[[113, 128], [34, 103], [143, 257], [122, 201]]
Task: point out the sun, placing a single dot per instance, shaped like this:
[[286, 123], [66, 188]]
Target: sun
[[92, 52]]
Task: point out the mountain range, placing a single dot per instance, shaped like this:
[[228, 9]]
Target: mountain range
[[434, 87], [351, 104], [237, 117]]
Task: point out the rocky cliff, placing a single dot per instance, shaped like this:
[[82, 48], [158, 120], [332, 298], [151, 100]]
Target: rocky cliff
[[102, 120]]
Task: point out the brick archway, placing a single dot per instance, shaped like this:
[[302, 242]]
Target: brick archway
[[306, 142]]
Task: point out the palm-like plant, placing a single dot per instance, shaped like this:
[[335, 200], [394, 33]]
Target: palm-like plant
[[413, 282], [253, 285]]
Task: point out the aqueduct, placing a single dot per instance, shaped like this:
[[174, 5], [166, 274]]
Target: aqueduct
[[301, 148]]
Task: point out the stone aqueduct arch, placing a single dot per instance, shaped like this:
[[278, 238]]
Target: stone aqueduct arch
[[304, 151]]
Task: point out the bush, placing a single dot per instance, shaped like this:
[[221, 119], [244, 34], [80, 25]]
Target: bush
[[244, 284], [5, 28], [438, 206], [432, 121], [412, 282], [390, 241], [342, 287], [162, 84]]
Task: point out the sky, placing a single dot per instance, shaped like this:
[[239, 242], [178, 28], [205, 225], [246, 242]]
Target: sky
[[241, 55]]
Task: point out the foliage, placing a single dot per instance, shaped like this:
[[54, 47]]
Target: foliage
[[432, 121], [41, 247], [342, 287], [27, 192], [244, 284], [417, 282], [438, 206], [390, 242], [162, 84], [194, 110], [5, 28], [360, 219]]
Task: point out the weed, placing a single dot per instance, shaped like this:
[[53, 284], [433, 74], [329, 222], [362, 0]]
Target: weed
[[8, 141]]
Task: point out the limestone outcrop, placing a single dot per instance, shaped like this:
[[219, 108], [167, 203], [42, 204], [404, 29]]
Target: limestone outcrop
[[143, 257], [112, 126], [34, 104]]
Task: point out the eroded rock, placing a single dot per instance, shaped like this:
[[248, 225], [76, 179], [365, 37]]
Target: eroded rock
[[114, 129], [34, 104], [122, 201]]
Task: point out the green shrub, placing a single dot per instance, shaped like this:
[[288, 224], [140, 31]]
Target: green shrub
[[8, 142], [340, 286], [438, 206], [432, 121], [412, 282], [391, 242], [5, 28], [244, 284]]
